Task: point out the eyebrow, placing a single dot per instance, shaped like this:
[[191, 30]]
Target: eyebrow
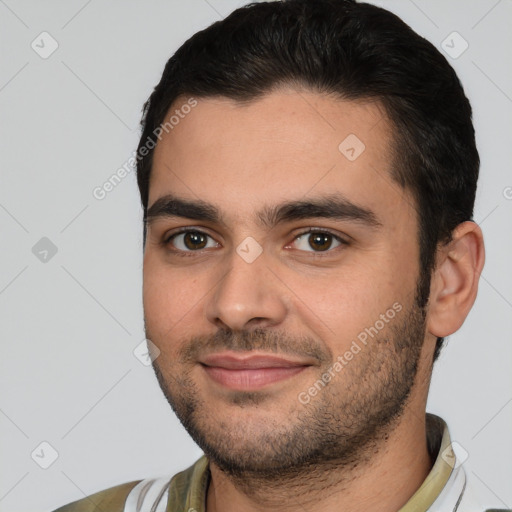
[[332, 206]]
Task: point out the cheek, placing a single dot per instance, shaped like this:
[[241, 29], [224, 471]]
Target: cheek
[[338, 306], [170, 299]]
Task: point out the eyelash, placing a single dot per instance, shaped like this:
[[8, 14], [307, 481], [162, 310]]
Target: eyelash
[[181, 253]]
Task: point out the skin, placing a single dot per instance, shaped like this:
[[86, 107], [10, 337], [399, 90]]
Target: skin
[[282, 147]]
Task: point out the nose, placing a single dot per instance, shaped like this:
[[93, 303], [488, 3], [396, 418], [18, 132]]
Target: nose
[[249, 295]]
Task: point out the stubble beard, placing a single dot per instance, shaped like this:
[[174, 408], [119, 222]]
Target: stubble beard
[[343, 426]]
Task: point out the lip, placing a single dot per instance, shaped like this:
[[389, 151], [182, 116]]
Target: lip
[[250, 371], [250, 360]]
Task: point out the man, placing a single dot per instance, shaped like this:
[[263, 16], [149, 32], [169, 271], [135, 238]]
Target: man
[[307, 170]]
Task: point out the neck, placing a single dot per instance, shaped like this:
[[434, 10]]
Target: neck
[[393, 469]]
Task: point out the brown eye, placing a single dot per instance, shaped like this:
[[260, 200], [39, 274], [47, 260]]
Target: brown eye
[[318, 241], [194, 240], [189, 241]]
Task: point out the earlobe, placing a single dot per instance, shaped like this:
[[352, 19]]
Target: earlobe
[[454, 282]]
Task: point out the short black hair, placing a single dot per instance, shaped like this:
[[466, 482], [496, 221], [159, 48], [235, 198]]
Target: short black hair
[[354, 51]]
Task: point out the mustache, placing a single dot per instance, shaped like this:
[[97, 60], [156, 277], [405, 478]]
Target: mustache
[[257, 339]]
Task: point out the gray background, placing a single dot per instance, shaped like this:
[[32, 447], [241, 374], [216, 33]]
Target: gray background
[[71, 320]]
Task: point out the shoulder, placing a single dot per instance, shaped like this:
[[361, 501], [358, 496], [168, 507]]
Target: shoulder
[[152, 494], [111, 500]]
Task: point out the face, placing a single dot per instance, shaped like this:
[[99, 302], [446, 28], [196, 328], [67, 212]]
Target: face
[[280, 273]]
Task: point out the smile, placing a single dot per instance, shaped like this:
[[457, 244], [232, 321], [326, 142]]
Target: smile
[[248, 373]]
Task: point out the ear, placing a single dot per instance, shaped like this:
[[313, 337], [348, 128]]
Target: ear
[[454, 283]]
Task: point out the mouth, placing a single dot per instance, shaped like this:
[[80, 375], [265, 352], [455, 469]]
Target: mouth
[[249, 371]]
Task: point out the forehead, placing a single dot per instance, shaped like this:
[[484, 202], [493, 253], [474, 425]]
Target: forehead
[[287, 144]]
